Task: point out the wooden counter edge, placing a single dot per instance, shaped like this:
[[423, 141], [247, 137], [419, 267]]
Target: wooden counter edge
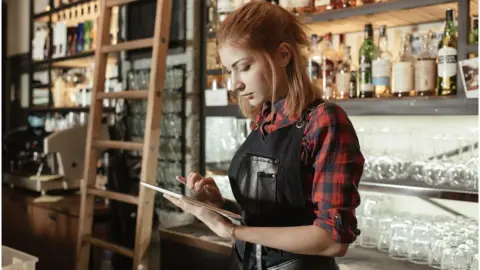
[[194, 241]]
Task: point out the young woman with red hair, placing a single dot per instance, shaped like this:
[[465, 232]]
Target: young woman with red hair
[[295, 177]]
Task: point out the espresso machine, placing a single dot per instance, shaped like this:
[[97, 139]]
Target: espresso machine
[[55, 162]]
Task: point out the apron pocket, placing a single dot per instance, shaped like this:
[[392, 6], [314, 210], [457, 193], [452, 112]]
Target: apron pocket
[[266, 191]]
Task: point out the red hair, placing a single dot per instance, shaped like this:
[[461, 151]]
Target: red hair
[[260, 28]]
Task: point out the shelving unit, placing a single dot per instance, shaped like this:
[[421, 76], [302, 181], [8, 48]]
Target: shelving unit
[[394, 13]]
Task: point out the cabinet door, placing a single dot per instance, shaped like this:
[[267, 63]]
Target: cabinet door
[[15, 225], [52, 232]]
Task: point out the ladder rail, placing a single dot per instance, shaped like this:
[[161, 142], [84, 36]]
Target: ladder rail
[[152, 126], [149, 148], [93, 132]]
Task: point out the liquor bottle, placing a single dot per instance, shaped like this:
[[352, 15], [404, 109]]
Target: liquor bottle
[[329, 59], [425, 69], [341, 48], [343, 75], [473, 36], [353, 87], [366, 55], [224, 7], [212, 16], [314, 61], [322, 5], [447, 59], [301, 6], [403, 75], [382, 66]]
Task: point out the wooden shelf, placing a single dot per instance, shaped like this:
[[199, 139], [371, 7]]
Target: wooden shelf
[[394, 106], [79, 60], [61, 8], [64, 109], [393, 13]]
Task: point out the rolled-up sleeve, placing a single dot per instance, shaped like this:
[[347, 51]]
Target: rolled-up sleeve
[[338, 166]]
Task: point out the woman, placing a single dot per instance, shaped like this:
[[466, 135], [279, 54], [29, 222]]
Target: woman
[[295, 177]]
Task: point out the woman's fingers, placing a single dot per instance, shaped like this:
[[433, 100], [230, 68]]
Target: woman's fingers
[[192, 179]]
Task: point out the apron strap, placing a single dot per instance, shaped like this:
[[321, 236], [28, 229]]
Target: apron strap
[[303, 118], [246, 255]]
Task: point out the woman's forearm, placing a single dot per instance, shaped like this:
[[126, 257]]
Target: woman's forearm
[[309, 240]]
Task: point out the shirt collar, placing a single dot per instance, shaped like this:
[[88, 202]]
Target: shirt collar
[[279, 107]]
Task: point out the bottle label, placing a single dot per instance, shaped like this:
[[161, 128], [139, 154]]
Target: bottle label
[[320, 3], [314, 68], [343, 82], [447, 62], [403, 74], [425, 75], [365, 79], [224, 6], [381, 69]]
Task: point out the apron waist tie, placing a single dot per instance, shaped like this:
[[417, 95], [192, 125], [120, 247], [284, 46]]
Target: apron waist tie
[[258, 256]]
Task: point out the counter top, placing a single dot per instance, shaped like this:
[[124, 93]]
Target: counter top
[[358, 258]]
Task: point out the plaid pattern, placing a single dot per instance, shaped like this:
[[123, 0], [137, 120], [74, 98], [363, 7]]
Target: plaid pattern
[[332, 164]]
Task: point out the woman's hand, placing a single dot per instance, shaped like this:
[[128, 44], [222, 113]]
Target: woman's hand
[[204, 189], [217, 223]]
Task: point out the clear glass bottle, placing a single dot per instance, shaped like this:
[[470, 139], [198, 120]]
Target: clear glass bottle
[[366, 55], [329, 59], [425, 69], [314, 61], [212, 16], [341, 48], [447, 59], [322, 5], [343, 76], [403, 72], [382, 66]]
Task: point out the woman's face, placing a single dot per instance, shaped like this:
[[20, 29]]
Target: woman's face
[[246, 73]]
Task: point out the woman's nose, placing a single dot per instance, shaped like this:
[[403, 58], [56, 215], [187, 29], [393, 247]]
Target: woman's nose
[[235, 83]]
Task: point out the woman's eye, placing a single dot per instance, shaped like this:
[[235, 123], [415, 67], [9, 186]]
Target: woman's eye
[[245, 68]]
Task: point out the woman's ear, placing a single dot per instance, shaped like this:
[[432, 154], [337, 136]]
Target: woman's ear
[[284, 54]]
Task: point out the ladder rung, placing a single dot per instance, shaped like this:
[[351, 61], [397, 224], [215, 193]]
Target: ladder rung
[[113, 195], [110, 246], [128, 45], [113, 3], [130, 94], [118, 145]]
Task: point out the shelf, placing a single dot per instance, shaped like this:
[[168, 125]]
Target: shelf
[[61, 8], [215, 72], [394, 13], [415, 190], [79, 60], [64, 109], [410, 106], [398, 106]]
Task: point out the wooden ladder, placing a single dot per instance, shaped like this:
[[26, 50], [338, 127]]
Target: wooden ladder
[[149, 147]]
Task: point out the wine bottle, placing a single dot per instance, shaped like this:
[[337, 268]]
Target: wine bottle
[[425, 69], [447, 59], [366, 54], [382, 66], [403, 73]]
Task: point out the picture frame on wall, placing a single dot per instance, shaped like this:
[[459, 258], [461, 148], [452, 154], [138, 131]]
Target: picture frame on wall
[[469, 76]]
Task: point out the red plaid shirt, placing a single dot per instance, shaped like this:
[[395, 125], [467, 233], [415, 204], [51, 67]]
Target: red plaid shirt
[[332, 165]]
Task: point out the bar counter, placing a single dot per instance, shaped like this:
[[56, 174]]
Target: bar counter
[[199, 237]]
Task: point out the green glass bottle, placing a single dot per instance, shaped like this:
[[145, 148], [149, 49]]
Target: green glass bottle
[[473, 36], [366, 55], [447, 59]]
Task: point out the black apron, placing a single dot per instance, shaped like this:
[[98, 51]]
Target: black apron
[[266, 179]]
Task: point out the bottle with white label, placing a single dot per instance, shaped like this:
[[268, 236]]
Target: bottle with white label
[[343, 76], [447, 59], [327, 68], [403, 72], [382, 66], [425, 69]]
